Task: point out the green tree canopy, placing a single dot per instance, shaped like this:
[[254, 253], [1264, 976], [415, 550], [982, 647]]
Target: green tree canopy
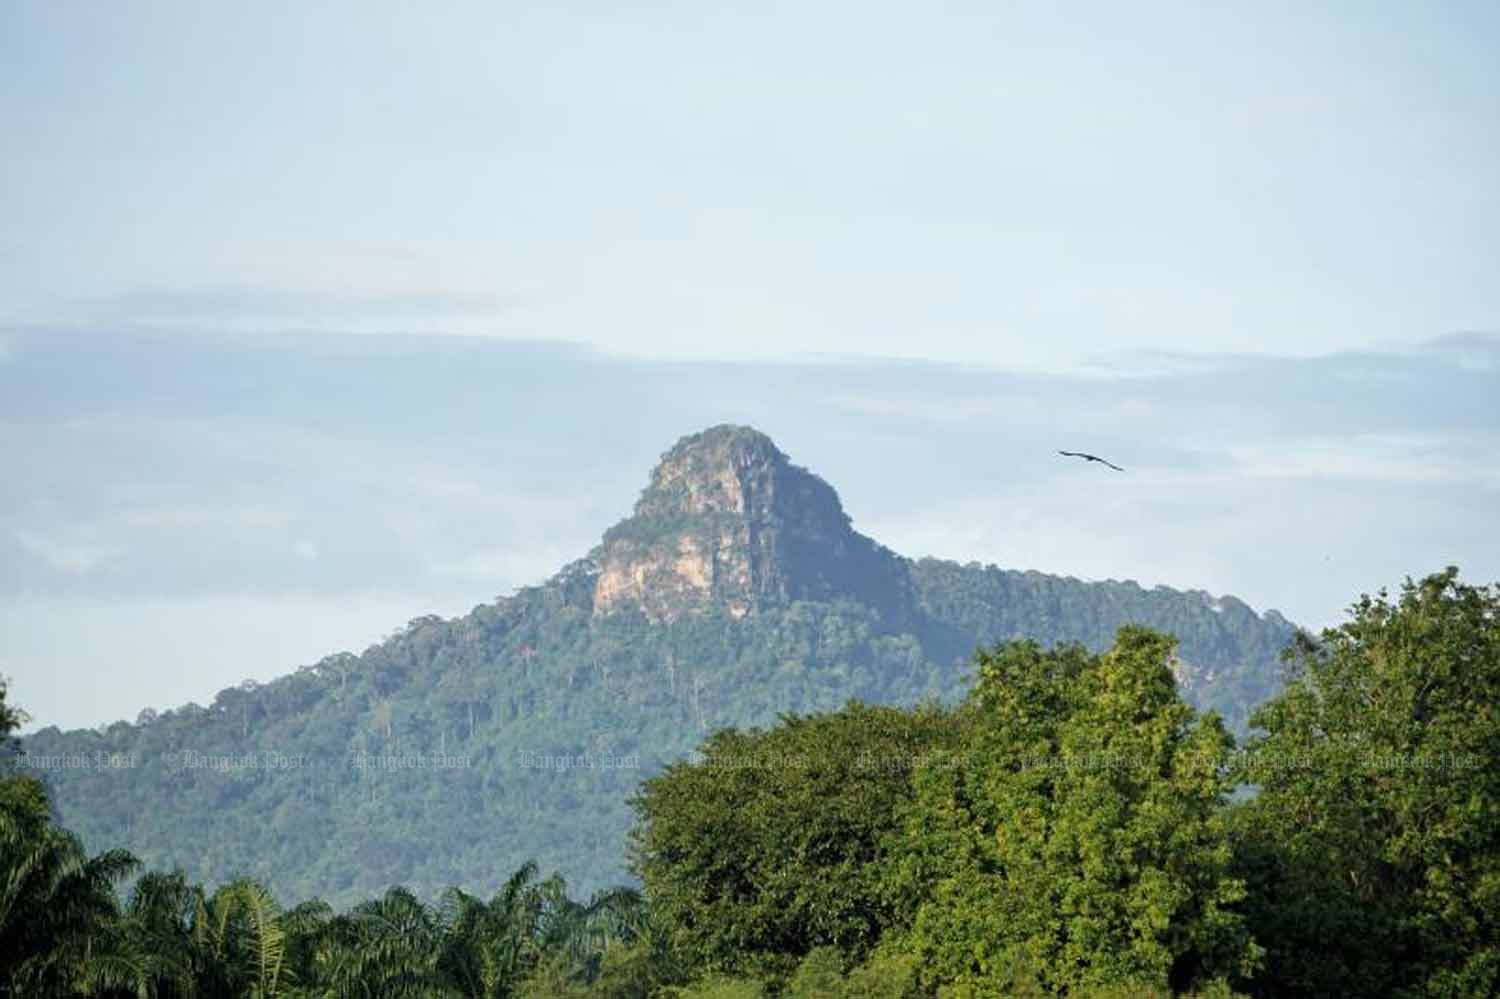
[[770, 846], [1085, 845], [57, 904], [1374, 845]]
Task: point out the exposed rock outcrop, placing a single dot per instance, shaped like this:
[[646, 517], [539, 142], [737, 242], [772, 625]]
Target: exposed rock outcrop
[[727, 520]]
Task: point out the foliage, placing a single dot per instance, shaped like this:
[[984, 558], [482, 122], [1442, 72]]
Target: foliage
[[719, 987], [1228, 653], [1086, 845], [537, 676], [1373, 848], [770, 846], [54, 897], [11, 719], [530, 939], [1065, 830], [63, 932], [821, 975]]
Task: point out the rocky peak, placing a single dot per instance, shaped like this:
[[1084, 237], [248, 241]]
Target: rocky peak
[[728, 520], [738, 471]]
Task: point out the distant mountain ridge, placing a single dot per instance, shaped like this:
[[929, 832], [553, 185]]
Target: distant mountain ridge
[[737, 590]]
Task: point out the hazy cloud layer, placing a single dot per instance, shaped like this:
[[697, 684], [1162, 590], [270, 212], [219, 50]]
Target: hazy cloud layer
[[255, 502]]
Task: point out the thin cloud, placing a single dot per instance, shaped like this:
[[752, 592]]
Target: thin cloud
[[252, 308], [76, 558], [1411, 459]]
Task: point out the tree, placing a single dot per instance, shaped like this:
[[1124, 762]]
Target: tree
[[718, 987], [158, 927], [238, 942], [11, 720], [57, 904], [1373, 847], [770, 846], [390, 946], [649, 684], [490, 946], [1085, 846], [57, 910]]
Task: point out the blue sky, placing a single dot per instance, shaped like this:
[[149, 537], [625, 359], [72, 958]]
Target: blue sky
[[1008, 184], [1249, 250]]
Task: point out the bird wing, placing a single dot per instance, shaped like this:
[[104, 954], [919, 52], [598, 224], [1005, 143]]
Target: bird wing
[[1091, 457]]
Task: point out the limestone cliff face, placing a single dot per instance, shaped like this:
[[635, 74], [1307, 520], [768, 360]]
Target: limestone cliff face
[[727, 520]]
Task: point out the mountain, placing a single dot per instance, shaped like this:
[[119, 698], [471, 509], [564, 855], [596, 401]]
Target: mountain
[[456, 749], [727, 521]]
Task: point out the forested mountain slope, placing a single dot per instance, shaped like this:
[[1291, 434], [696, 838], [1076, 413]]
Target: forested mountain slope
[[458, 749]]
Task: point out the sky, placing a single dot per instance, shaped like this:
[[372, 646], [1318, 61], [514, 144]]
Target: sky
[[1249, 251]]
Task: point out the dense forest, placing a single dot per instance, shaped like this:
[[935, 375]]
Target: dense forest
[[457, 750], [461, 749], [303, 783], [1070, 827]]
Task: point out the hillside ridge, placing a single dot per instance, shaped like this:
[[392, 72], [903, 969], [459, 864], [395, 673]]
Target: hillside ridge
[[735, 593]]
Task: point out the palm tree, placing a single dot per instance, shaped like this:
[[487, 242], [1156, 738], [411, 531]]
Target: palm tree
[[389, 947], [306, 927], [490, 946], [581, 933], [58, 915], [238, 943], [157, 926]]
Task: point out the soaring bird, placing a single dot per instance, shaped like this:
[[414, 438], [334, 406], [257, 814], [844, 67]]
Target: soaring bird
[[1091, 457]]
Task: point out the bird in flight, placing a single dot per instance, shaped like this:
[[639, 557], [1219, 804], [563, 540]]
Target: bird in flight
[[1091, 457]]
